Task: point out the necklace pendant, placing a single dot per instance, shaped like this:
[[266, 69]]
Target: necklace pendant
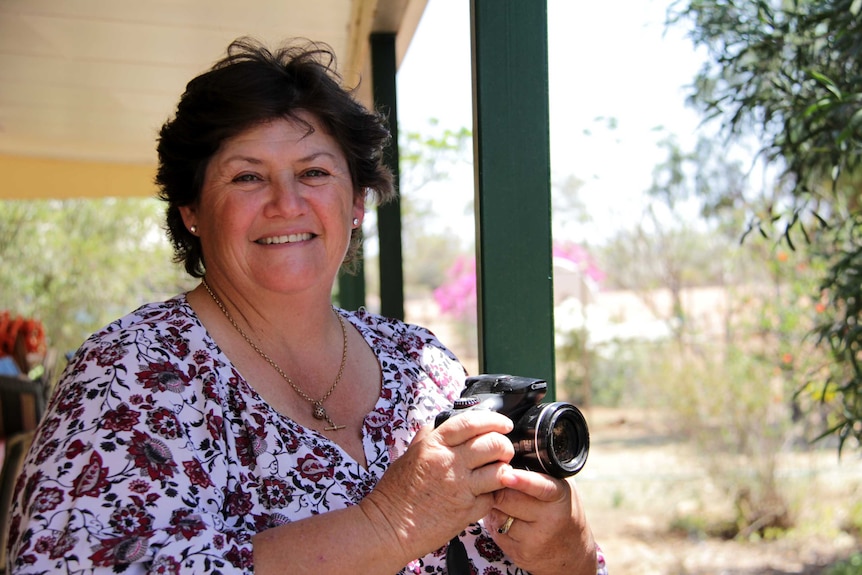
[[318, 412]]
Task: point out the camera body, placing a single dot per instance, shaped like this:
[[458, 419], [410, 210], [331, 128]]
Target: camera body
[[551, 438]]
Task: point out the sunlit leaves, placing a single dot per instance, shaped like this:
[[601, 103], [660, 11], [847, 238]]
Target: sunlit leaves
[[77, 264], [788, 73]]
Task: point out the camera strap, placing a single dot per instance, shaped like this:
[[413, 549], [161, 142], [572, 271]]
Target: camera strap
[[456, 558]]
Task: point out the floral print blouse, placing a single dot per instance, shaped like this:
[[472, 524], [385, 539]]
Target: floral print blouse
[[156, 456]]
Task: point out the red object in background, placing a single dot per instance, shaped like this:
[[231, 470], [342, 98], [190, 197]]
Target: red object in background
[[20, 331]]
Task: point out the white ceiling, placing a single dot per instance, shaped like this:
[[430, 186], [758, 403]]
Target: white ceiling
[[94, 80]]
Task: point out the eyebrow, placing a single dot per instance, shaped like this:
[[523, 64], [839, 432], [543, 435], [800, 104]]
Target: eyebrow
[[253, 160], [241, 158], [315, 155]]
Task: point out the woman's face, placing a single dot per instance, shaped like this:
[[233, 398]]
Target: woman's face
[[276, 208]]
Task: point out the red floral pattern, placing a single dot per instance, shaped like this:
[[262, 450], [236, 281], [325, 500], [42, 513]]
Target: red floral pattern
[[155, 454]]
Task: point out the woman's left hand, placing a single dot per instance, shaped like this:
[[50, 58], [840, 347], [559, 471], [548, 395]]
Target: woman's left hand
[[549, 534]]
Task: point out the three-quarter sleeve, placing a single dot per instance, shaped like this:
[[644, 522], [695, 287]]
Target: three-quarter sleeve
[[127, 468]]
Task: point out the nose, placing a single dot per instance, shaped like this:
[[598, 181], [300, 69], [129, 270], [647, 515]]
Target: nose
[[285, 196]]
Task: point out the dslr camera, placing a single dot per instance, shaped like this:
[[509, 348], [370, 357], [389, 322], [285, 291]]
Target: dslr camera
[[550, 438]]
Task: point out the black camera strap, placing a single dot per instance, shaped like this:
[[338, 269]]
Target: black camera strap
[[456, 558]]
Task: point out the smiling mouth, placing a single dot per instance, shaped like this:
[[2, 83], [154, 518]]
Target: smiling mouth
[[290, 239]]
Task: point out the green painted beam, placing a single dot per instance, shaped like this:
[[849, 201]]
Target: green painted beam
[[383, 70], [513, 192], [351, 287]]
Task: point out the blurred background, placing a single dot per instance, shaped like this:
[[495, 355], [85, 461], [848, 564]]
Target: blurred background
[[706, 258]]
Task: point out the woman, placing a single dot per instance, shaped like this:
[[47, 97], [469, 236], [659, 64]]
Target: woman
[[248, 425]]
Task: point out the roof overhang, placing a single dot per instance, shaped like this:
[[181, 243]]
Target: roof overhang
[[86, 85]]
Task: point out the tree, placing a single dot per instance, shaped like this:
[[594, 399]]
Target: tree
[[568, 207], [77, 264], [428, 158], [736, 355], [684, 239], [787, 73]]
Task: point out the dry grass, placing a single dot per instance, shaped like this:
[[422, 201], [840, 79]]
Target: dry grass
[[656, 511]]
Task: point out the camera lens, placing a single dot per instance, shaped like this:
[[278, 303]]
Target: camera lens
[[568, 440], [552, 438], [561, 447]]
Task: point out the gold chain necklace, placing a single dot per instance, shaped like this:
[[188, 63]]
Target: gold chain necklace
[[317, 410]]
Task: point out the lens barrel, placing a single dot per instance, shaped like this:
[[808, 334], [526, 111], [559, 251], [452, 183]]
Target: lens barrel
[[552, 438]]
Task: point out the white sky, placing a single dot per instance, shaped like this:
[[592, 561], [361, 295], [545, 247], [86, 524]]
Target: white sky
[[605, 61]]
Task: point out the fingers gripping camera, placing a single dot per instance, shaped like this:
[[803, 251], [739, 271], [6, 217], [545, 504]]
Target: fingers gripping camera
[[550, 438]]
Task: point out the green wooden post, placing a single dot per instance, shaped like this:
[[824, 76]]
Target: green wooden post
[[383, 64], [351, 287], [513, 194]]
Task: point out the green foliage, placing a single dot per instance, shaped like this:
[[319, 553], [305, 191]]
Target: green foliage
[[428, 157], [788, 74], [608, 374], [737, 412], [425, 158], [615, 378], [77, 264], [672, 248], [788, 71], [430, 256], [839, 330], [850, 566], [731, 392], [852, 523], [574, 363]]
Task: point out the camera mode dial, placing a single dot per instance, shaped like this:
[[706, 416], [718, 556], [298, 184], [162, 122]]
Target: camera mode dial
[[465, 402]]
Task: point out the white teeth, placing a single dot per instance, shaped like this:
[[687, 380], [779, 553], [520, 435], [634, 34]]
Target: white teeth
[[286, 239]]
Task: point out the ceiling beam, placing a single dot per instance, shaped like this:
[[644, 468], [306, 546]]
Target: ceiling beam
[[31, 178]]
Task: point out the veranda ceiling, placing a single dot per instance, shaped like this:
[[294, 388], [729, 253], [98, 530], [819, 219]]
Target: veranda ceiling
[[86, 84]]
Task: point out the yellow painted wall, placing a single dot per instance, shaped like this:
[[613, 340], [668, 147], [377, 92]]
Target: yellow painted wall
[[28, 178]]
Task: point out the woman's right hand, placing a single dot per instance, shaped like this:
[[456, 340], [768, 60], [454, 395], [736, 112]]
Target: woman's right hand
[[442, 483]]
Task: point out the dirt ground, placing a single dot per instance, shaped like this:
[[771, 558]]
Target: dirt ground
[[640, 481]]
